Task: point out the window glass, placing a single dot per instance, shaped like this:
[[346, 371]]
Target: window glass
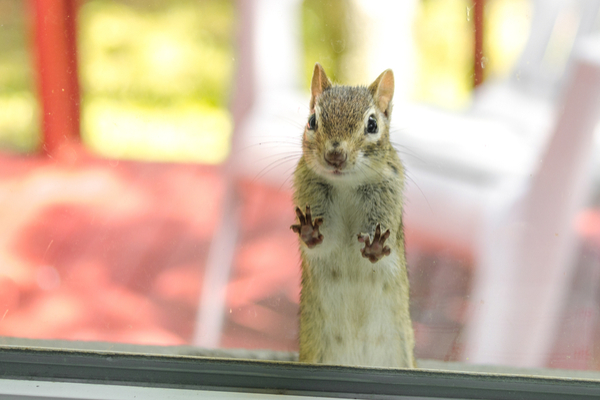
[[18, 110], [162, 216]]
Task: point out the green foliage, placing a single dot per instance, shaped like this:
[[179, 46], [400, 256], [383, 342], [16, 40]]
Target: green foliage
[[19, 127], [325, 36], [150, 64], [157, 52], [156, 78], [444, 41]]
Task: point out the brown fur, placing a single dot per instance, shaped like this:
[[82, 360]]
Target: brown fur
[[370, 194]]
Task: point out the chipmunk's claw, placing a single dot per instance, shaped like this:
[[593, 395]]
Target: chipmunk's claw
[[307, 229], [377, 250]]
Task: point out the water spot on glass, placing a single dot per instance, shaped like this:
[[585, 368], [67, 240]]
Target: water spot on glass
[[47, 278], [469, 13], [113, 163], [484, 62], [338, 45]]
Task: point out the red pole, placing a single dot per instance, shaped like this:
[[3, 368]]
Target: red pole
[[56, 59], [479, 63]]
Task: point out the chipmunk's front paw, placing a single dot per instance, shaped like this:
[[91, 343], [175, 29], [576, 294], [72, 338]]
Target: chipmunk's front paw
[[307, 229], [376, 250]]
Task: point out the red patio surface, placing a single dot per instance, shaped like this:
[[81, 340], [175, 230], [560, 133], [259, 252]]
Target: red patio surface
[[115, 251]]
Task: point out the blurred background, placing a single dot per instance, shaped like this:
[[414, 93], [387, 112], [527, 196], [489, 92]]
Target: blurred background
[[146, 151]]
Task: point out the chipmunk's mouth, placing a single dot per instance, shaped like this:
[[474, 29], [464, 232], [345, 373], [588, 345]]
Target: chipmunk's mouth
[[335, 171]]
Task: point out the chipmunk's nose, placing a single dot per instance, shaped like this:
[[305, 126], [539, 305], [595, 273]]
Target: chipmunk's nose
[[336, 158]]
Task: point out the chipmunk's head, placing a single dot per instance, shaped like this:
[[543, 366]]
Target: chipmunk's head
[[347, 134]]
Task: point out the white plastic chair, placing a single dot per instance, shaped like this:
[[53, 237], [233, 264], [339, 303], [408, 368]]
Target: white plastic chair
[[495, 179], [269, 111], [467, 195]]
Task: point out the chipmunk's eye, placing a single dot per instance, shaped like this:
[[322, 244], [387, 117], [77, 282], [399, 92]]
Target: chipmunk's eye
[[372, 125], [312, 123]]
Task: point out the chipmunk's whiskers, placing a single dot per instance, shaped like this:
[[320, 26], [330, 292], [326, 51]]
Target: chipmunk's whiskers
[[290, 175], [381, 175], [275, 164], [407, 175], [270, 143], [402, 149]]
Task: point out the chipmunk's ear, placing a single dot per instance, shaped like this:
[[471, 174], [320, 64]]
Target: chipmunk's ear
[[383, 91], [319, 83]]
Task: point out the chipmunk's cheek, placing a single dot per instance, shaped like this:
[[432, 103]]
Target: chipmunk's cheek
[[309, 136]]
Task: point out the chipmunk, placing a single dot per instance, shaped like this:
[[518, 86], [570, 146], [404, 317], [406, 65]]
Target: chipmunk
[[354, 303]]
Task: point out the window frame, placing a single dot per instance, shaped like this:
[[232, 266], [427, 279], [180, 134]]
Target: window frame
[[278, 377]]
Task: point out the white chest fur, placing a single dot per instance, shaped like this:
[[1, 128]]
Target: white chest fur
[[359, 300]]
